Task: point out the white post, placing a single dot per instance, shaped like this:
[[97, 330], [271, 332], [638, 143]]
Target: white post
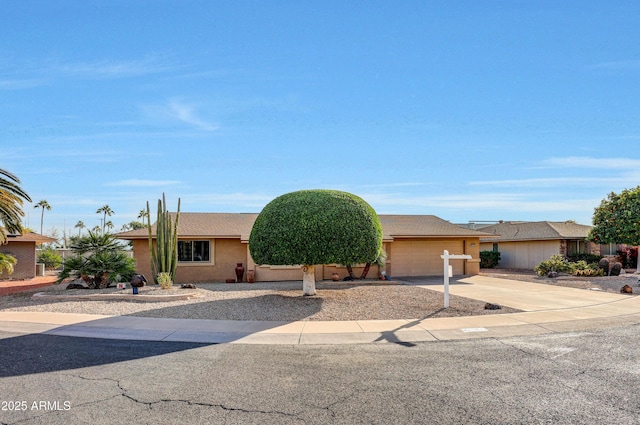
[[446, 278], [446, 256]]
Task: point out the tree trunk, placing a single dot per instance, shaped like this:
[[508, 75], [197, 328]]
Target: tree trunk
[[309, 280], [365, 271], [350, 271]]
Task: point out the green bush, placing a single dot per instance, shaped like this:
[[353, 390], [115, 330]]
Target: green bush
[[489, 259], [589, 258], [582, 268], [316, 227], [50, 258], [557, 263]]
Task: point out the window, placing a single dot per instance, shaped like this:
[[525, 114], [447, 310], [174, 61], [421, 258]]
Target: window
[[609, 249], [193, 251], [495, 247], [577, 247]]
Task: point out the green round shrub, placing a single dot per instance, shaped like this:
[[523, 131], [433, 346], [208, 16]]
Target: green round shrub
[[316, 227]]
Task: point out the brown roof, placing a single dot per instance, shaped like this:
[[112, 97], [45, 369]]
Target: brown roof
[[234, 225], [537, 230], [29, 237], [397, 226]]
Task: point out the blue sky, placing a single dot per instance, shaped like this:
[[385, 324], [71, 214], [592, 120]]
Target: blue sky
[[491, 110]]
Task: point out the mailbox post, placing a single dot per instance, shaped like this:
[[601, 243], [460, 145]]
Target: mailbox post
[[447, 272]]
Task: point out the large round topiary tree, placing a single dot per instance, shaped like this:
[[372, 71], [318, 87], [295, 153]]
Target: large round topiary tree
[[312, 227]]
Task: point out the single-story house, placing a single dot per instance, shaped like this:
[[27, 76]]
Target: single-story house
[[210, 245], [524, 244], [23, 248]]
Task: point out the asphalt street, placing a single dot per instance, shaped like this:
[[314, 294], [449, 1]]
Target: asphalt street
[[570, 378]]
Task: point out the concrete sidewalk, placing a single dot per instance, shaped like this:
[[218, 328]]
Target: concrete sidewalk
[[547, 309]]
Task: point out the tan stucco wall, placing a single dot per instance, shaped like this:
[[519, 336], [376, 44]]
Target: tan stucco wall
[[523, 255], [405, 257], [25, 254], [225, 254]]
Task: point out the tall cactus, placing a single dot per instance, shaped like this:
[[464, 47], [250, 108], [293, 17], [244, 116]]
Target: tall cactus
[[164, 254]]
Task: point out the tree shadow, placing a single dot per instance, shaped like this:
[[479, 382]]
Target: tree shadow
[[42, 353], [145, 334]]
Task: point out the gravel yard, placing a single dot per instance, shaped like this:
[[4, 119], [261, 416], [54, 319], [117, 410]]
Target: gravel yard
[[283, 301]]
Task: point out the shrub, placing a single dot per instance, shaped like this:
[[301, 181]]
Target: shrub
[[50, 258], [489, 259], [164, 280], [582, 268], [589, 258], [557, 263], [98, 259]]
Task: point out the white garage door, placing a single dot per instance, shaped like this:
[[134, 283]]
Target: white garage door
[[422, 257]]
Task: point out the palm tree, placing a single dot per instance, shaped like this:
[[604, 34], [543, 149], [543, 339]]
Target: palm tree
[[109, 225], [7, 262], [11, 199], [80, 225], [107, 211], [45, 206]]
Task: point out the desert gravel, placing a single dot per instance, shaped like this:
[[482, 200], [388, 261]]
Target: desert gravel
[[283, 301], [279, 301]]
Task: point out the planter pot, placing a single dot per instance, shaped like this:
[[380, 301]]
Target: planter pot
[[251, 276], [239, 272]]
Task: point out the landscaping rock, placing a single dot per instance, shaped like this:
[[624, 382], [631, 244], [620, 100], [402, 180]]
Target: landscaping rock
[[615, 270], [188, 286], [626, 289], [604, 265], [490, 306]]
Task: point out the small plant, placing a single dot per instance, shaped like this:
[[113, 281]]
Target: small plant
[[489, 259], [50, 258], [7, 262], [582, 268], [557, 263], [164, 280]]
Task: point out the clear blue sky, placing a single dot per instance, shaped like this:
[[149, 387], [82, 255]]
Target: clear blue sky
[[469, 110]]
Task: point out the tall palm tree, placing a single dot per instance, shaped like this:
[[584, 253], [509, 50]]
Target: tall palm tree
[[45, 206], [12, 198], [80, 225], [107, 211]]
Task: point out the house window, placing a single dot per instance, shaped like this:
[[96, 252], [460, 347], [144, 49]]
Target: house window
[[609, 249], [193, 251], [577, 247], [495, 247]]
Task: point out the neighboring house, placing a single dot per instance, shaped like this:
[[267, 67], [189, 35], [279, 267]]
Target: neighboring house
[[23, 248], [211, 244], [523, 244]]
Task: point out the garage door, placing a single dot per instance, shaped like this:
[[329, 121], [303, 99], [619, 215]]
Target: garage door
[[422, 257]]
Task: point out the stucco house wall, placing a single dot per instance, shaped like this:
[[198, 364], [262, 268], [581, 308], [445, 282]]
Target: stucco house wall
[[25, 254], [23, 248]]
